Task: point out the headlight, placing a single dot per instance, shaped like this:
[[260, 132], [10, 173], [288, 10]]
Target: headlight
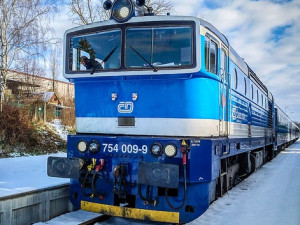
[[82, 146], [94, 147], [121, 10], [170, 150], [156, 149]]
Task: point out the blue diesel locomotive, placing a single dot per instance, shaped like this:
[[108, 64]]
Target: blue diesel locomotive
[[168, 116]]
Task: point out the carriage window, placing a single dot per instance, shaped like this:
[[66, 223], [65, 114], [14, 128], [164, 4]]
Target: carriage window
[[211, 55], [257, 96], [101, 50], [158, 47], [252, 91]]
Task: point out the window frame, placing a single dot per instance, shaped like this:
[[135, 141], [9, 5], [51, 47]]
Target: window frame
[[123, 27], [223, 52], [152, 28], [208, 63]]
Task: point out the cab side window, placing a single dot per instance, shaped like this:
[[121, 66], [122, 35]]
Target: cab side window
[[223, 64], [211, 55]]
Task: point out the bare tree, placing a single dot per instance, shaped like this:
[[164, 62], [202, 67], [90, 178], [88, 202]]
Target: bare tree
[[160, 7], [23, 32], [87, 11], [32, 69], [54, 65], [90, 11]]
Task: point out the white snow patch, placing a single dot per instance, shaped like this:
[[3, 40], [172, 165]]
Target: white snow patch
[[269, 196], [24, 174], [72, 218], [58, 128]]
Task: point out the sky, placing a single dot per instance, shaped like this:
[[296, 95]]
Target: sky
[[265, 33]]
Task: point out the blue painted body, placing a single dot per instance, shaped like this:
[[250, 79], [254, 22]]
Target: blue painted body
[[177, 96], [158, 97]]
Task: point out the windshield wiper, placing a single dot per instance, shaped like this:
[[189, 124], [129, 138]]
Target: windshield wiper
[[110, 54], [154, 69], [104, 60]]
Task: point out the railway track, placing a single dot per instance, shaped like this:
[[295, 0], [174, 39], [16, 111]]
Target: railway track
[[97, 219]]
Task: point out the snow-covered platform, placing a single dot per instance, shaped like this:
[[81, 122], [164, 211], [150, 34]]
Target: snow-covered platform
[[22, 174], [27, 194]]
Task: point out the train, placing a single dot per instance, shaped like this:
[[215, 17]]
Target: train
[[168, 116]]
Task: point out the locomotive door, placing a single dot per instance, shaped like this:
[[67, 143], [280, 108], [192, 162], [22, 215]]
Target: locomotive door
[[223, 106]]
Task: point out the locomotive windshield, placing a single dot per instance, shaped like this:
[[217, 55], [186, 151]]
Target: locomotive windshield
[[145, 48], [161, 47], [96, 51]]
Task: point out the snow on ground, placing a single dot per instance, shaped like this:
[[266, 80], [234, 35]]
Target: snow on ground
[[72, 218], [23, 174], [58, 128]]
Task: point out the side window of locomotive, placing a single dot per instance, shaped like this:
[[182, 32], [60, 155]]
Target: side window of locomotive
[[101, 50], [211, 55], [223, 64], [207, 41]]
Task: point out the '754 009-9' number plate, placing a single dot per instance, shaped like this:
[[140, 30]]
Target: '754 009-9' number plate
[[125, 148]]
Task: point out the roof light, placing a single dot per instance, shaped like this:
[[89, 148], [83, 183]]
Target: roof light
[[107, 5], [122, 10], [140, 3]]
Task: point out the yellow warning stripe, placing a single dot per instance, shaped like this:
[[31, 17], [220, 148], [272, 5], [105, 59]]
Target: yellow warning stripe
[[140, 214]]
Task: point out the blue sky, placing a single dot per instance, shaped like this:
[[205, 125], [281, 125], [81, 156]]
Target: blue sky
[[265, 33]]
